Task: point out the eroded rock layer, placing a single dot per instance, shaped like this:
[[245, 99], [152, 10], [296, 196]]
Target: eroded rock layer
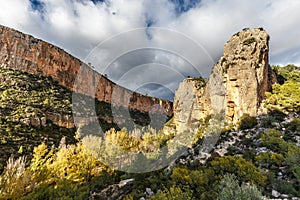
[[236, 86], [240, 79], [35, 56]]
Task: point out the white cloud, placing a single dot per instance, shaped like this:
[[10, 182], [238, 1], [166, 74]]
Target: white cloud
[[15, 13], [78, 26], [281, 21]]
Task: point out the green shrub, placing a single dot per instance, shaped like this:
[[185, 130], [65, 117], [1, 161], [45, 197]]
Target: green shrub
[[230, 189], [63, 190], [197, 180], [244, 170], [268, 159], [285, 95], [294, 125], [247, 122], [174, 193], [267, 122], [292, 158], [277, 115], [249, 154], [289, 72], [274, 140], [282, 186]]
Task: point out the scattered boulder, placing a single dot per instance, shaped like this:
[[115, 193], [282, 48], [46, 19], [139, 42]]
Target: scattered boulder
[[275, 193], [114, 192]]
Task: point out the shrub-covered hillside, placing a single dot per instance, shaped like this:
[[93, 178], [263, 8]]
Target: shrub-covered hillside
[[27, 103], [286, 94], [35, 109], [258, 160]]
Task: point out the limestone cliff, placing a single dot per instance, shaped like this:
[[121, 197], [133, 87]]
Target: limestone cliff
[[35, 56], [188, 109], [236, 86], [242, 76]]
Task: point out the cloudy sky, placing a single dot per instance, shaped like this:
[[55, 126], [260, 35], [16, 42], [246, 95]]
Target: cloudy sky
[[151, 45]]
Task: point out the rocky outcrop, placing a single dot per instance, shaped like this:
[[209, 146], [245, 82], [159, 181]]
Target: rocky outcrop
[[35, 56], [236, 86], [188, 107], [114, 192], [238, 82]]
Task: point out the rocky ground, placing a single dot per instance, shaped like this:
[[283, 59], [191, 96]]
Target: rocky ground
[[250, 143]]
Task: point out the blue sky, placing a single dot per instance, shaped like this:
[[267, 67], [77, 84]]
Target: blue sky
[[82, 26]]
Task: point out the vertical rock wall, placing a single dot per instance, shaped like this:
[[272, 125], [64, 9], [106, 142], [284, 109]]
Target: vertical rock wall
[[242, 75], [34, 56], [188, 105], [236, 86]]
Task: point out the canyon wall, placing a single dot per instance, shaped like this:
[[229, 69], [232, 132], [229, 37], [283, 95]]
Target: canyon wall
[[35, 56]]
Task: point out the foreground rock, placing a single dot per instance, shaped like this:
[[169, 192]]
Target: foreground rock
[[114, 192]]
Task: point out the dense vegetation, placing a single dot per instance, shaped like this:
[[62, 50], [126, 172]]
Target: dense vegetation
[[261, 157], [27, 103], [286, 94], [35, 108]]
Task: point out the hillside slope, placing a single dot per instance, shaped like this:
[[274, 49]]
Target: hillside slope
[[32, 109]]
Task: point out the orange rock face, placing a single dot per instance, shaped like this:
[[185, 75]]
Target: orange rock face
[[35, 56], [236, 86]]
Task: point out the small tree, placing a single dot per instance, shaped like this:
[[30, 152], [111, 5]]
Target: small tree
[[247, 122], [230, 189]]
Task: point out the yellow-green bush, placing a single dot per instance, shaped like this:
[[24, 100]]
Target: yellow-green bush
[[269, 159], [273, 139], [285, 96], [147, 140], [174, 193], [243, 169], [66, 168], [198, 180]]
